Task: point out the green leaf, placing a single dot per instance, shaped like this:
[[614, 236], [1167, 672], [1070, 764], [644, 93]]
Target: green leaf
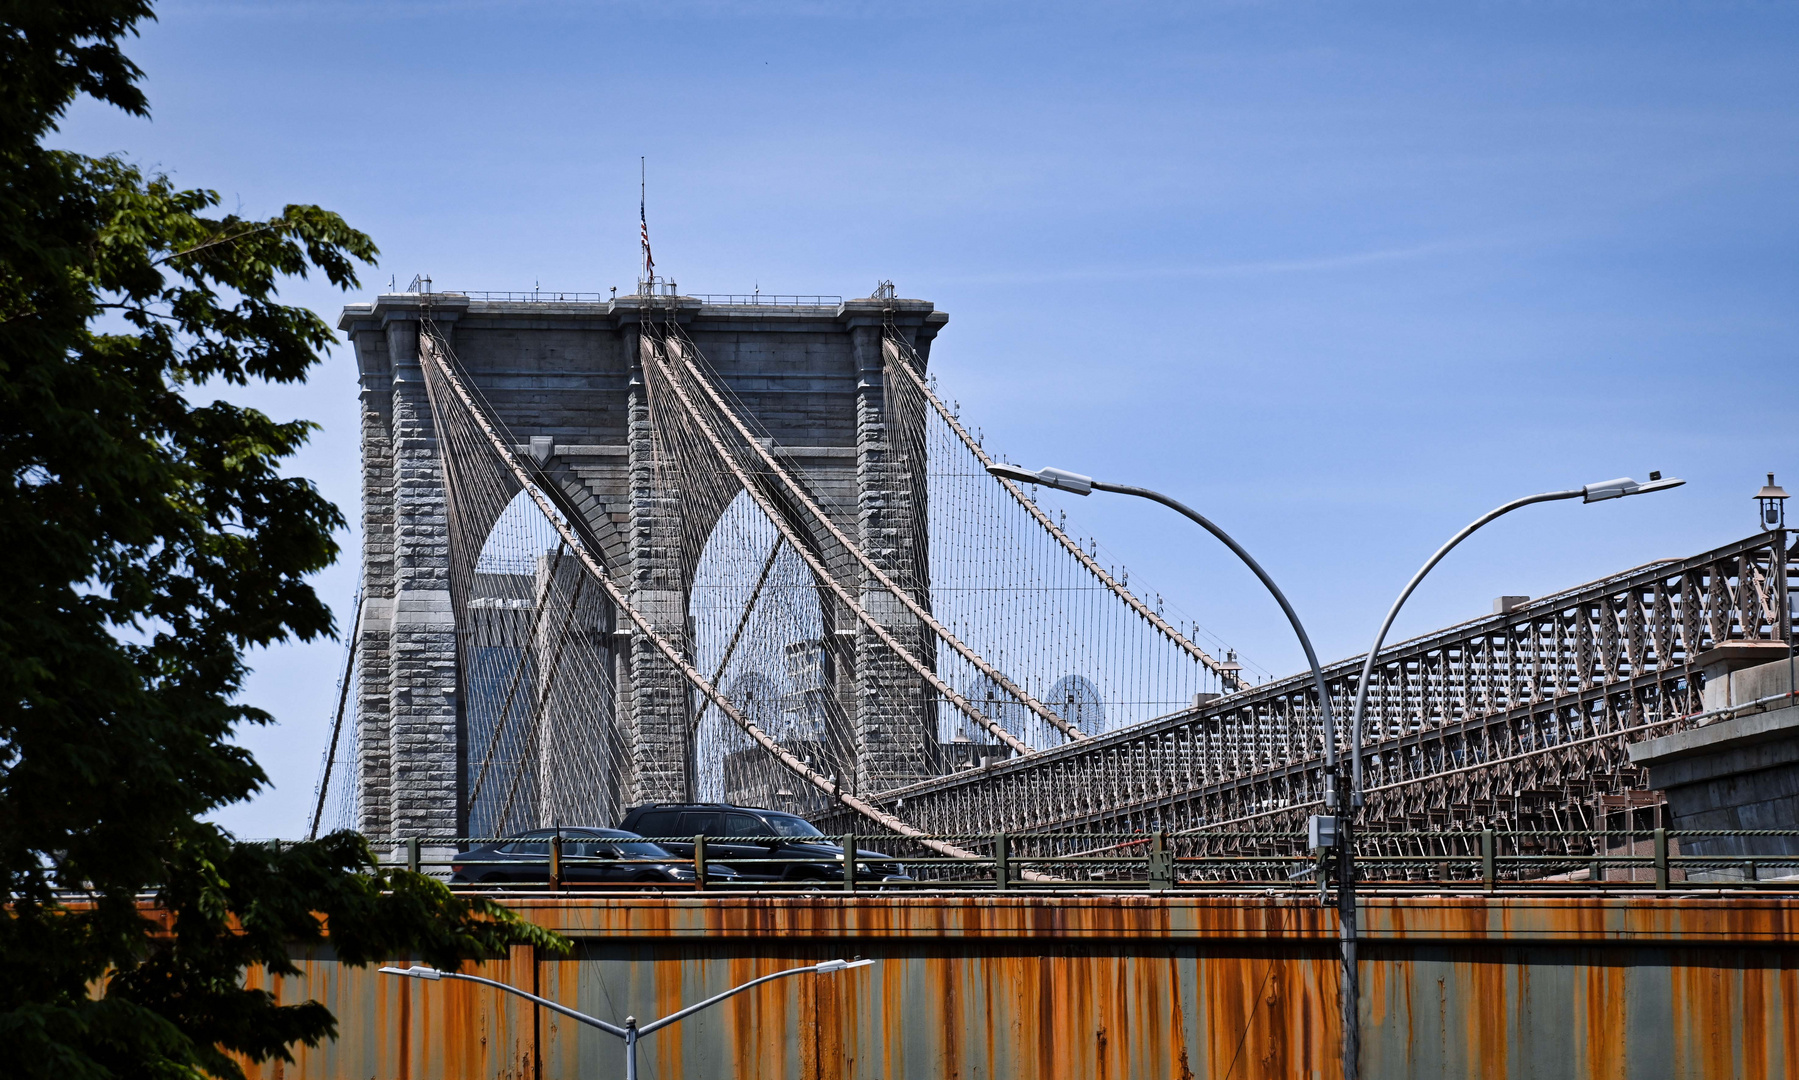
[[150, 542]]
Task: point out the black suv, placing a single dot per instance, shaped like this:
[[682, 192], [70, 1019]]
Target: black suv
[[735, 833], [589, 857]]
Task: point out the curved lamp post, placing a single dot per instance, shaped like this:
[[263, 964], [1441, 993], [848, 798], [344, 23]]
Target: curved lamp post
[[1077, 484], [1608, 489], [630, 1032], [1600, 492]]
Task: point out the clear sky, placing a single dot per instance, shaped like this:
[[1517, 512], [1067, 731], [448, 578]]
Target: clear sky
[[1344, 276]]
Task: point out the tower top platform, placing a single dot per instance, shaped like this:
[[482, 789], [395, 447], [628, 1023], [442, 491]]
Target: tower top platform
[[833, 312]]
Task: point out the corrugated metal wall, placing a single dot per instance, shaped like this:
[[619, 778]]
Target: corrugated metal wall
[[1112, 987]]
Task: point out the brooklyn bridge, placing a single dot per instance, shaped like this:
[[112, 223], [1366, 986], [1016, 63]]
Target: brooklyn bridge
[[659, 547]]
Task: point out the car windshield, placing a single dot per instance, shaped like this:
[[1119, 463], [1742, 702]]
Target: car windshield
[[788, 825], [642, 850]]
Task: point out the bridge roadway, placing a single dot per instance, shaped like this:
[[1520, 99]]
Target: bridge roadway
[[1115, 986], [1517, 720]]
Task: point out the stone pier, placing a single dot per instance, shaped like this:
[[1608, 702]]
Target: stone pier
[[564, 379]]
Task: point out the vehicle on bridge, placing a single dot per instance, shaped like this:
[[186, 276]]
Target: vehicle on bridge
[[759, 844], [589, 857]]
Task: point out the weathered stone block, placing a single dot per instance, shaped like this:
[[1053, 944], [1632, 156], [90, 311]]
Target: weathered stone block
[[564, 376]]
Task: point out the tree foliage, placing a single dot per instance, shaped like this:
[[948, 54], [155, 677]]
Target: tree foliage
[[150, 540]]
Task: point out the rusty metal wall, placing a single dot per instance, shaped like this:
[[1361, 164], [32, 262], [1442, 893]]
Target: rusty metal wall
[[982, 988]]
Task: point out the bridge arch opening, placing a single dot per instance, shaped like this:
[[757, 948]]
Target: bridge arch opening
[[540, 744], [763, 634]]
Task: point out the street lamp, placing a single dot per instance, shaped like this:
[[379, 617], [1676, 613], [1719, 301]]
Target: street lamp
[[1077, 484], [1328, 831], [1600, 492], [1771, 500], [631, 1033]]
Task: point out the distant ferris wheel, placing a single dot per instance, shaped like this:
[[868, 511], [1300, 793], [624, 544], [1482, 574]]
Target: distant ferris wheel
[[1077, 700]]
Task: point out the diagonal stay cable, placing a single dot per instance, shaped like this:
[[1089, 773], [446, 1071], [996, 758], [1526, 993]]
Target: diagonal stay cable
[[518, 674], [431, 349], [533, 734], [904, 596], [826, 577], [1230, 678], [749, 609], [337, 724]]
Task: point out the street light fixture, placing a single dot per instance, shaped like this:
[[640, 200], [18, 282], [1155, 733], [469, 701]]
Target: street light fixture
[[1337, 831], [1772, 501], [1605, 489], [630, 1032], [1077, 484], [1324, 831]]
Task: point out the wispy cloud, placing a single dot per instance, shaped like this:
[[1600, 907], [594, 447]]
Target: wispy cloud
[[1247, 268]]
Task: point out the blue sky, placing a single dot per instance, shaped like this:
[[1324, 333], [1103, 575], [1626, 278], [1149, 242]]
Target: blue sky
[[1343, 276]]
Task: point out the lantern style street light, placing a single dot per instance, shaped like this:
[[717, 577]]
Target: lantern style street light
[[630, 1032], [1772, 501]]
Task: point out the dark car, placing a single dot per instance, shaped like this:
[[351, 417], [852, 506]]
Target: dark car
[[738, 833], [589, 857]]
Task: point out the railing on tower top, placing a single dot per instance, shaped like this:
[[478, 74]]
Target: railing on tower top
[[542, 296], [767, 300], [549, 296]]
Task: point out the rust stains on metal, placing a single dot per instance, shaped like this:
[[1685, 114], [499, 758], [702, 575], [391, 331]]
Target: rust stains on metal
[[983, 988], [1601, 1021], [1773, 919]]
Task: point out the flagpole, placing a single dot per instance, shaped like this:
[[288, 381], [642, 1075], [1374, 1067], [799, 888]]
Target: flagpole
[[648, 281]]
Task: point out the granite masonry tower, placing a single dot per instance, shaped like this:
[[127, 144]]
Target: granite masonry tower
[[564, 378]]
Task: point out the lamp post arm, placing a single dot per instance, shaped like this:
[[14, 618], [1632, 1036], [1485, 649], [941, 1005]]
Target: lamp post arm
[[610, 1029], [1324, 697], [657, 1025], [1361, 693]]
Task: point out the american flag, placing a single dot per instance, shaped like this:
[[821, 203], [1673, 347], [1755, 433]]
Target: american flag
[[649, 261]]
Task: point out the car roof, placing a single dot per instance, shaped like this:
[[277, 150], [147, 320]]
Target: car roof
[[705, 806]]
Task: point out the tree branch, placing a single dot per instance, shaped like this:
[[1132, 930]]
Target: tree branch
[[216, 241]]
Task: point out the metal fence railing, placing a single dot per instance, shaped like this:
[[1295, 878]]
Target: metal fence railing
[[768, 299], [553, 296], [539, 296], [1471, 861]]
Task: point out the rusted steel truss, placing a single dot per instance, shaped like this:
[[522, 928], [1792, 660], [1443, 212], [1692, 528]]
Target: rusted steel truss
[[1519, 720]]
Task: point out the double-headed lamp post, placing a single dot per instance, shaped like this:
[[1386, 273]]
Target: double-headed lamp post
[[1330, 835], [1338, 828], [630, 1032]]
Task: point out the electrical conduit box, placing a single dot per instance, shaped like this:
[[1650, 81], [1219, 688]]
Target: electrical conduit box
[[1321, 831]]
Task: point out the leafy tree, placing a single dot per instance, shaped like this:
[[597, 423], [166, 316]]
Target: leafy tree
[[150, 540]]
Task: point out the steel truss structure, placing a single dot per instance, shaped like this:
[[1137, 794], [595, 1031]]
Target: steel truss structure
[[1520, 720], [913, 647]]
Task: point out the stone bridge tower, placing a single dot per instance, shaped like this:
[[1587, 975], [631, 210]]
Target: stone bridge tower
[[564, 377]]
